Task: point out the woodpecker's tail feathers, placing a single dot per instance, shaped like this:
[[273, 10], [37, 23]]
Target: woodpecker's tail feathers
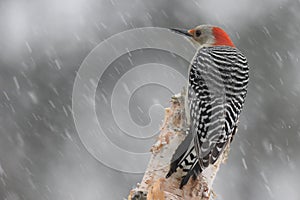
[[194, 171], [185, 158], [179, 154]]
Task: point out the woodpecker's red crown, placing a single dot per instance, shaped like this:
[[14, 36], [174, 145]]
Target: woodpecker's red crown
[[208, 35]]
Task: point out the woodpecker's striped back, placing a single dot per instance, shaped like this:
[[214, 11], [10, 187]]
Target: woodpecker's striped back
[[218, 80]]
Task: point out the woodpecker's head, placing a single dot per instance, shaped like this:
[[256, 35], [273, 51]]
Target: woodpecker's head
[[207, 35]]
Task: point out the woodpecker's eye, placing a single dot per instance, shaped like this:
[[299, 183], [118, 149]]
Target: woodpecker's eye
[[198, 33]]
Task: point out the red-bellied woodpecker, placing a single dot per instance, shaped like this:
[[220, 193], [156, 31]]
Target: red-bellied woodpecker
[[217, 87]]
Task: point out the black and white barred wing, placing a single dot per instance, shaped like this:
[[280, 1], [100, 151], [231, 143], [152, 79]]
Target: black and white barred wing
[[217, 89]]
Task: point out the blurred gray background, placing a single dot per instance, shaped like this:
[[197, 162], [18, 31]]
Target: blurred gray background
[[43, 43]]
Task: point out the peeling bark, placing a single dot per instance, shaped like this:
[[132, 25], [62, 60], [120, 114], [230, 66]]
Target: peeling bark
[[154, 185]]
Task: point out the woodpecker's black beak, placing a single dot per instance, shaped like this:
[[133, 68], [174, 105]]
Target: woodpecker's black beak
[[181, 31]]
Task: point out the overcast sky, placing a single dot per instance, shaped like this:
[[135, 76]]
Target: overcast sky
[[43, 43]]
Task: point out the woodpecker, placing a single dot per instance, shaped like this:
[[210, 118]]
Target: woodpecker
[[217, 86]]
